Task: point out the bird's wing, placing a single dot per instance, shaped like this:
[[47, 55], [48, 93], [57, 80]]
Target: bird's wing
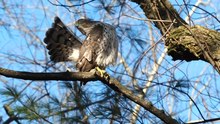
[[90, 49], [63, 45]]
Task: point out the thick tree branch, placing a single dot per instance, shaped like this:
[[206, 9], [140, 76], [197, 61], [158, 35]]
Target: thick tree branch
[[194, 43], [65, 76], [91, 76], [161, 10], [183, 42]]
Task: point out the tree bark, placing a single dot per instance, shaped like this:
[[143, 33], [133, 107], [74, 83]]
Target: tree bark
[[194, 43], [182, 41], [164, 16]]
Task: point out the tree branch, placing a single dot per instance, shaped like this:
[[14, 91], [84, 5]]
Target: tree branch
[[183, 42], [194, 43], [11, 115], [161, 10], [91, 76], [65, 76], [204, 121]]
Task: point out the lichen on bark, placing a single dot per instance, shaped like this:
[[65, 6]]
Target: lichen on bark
[[190, 43]]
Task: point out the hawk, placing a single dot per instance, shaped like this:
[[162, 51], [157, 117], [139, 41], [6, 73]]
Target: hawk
[[98, 49]]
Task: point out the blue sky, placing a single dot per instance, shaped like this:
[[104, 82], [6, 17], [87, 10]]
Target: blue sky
[[21, 46]]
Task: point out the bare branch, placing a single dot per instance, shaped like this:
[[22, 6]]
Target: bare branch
[[60, 4], [204, 121], [90, 76], [65, 76]]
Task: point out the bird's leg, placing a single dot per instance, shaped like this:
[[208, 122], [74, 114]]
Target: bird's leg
[[102, 72]]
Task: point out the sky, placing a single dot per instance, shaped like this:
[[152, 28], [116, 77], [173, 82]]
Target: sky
[[14, 43]]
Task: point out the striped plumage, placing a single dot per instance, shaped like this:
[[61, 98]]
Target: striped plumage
[[99, 48]]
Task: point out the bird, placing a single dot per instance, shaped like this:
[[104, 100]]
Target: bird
[[99, 49]]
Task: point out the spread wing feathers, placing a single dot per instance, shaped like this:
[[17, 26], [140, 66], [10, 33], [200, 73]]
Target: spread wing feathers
[[62, 44], [90, 49]]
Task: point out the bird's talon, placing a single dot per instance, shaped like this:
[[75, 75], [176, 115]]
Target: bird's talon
[[106, 76], [102, 72]]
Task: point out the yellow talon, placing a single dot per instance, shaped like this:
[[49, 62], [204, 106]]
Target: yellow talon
[[100, 71], [103, 73]]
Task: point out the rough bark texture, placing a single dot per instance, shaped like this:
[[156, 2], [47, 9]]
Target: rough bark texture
[[162, 12], [190, 43], [194, 43], [183, 42]]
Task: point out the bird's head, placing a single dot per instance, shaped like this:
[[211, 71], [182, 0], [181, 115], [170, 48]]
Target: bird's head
[[85, 25]]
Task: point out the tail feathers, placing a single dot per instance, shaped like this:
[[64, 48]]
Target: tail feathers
[[63, 45]]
